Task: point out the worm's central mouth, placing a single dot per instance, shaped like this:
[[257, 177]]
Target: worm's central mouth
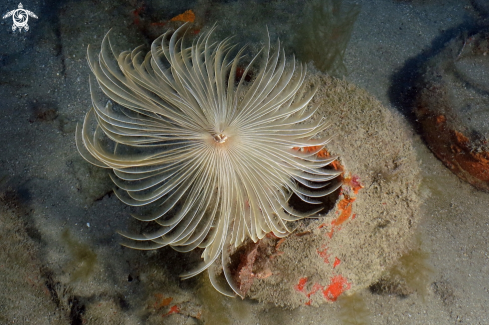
[[220, 138]]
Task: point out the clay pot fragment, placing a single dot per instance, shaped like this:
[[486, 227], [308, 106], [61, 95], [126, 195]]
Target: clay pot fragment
[[452, 107]]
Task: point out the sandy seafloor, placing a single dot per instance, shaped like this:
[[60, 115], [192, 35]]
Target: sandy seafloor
[[58, 227]]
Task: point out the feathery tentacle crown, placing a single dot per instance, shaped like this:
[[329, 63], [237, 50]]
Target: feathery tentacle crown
[[213, 155]]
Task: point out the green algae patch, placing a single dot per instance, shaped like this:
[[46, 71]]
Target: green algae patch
[[324, 35], [412, 273], [353, 310], [219, 309], [83, 258], [414, 269]]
